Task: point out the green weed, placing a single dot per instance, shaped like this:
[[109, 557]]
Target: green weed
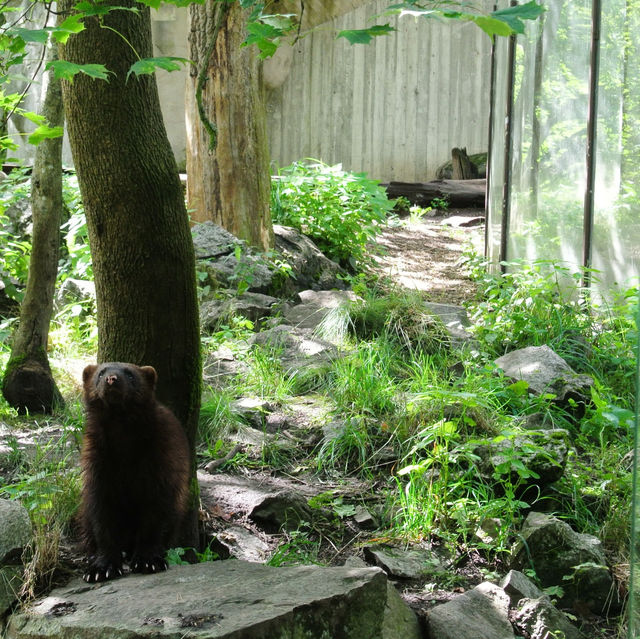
[[341, 211]]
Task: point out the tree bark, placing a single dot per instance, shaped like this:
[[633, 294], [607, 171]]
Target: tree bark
[[141, 246], [230, 184], [462, 167], [28, 383]]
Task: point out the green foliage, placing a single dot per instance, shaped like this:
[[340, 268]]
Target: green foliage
[[341, 211], [503, 22], [14, 190], [148, 66], [543, 303], [216, 418], [175, 556], [297, 549]]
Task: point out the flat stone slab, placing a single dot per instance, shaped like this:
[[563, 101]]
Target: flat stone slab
[[479, 613], [220, 600]]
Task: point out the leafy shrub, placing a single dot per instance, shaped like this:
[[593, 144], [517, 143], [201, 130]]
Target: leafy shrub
[[340, 211]]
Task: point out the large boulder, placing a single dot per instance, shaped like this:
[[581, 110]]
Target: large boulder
[[253, 306], [562, 557], [315, 307], [540, 456], [296, 263], [212, 241], [15, 534], [546, 372], [310, 267], [298, 349], [481, 612], [223, 600], [540, 619]]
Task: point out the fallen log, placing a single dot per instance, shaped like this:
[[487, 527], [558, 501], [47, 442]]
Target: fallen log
[[459, 193]]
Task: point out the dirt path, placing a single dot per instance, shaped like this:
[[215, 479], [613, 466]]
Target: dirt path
[[425, 255]]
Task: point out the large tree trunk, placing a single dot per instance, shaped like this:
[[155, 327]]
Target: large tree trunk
[[229, 184], [141, 246], [28, 384]]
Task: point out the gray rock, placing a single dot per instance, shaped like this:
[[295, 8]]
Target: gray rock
[[316, 306], [272, 502], [562, 557], [481, 612], [544, 453], [285, 510], [311, 269], [15, 530], [253, 306], [410, 563], [252, 410], [15, 534], [546, 372], [243, 544], [518, 586], [251, 272], [540, 619], [73, 291], [399, 620], [298, 349], [11, 581], [211, 240], [47, 443], [219, 366], [327, 299], [364, 518], [220, 600], [455, 320]]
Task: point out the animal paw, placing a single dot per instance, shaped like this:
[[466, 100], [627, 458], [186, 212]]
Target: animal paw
[[148, 564], [102, 570]]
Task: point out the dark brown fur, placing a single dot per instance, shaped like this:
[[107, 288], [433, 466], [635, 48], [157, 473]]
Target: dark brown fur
[[135, 464]]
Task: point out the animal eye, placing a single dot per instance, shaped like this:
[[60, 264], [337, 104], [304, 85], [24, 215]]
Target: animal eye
[[129, 375], [101, 373]]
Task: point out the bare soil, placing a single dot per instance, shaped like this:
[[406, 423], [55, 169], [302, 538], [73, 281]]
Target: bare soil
[[426, 255]]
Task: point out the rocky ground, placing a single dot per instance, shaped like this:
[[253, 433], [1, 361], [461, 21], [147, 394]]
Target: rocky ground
[[251, 513]]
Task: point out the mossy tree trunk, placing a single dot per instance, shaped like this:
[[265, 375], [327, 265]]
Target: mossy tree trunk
[[141, 246], [230, 184], [28, 383]]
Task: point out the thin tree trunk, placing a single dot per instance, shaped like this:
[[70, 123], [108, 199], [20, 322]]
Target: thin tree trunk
[[28, 383], [141, 246], [231, 183]]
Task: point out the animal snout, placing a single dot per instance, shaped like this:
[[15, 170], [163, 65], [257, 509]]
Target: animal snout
[[112, 379]]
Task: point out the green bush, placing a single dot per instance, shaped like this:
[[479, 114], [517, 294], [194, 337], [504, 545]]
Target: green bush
[[340, 211]]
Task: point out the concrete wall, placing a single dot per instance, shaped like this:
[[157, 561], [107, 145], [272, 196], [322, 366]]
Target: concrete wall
[[393, 108]]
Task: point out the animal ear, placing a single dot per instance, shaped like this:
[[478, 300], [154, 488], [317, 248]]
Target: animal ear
[[89, 372], [150, 375]]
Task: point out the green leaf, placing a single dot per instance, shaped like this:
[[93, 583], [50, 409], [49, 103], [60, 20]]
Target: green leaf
[[64, 70], [520, 387], [36, 118], [283, 22], [513, 16], [41, 36], [87, 8], [364, 36], [147, 66], [264, 36], [73, 24], [493, 26], [45, 132], [529, 11]]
